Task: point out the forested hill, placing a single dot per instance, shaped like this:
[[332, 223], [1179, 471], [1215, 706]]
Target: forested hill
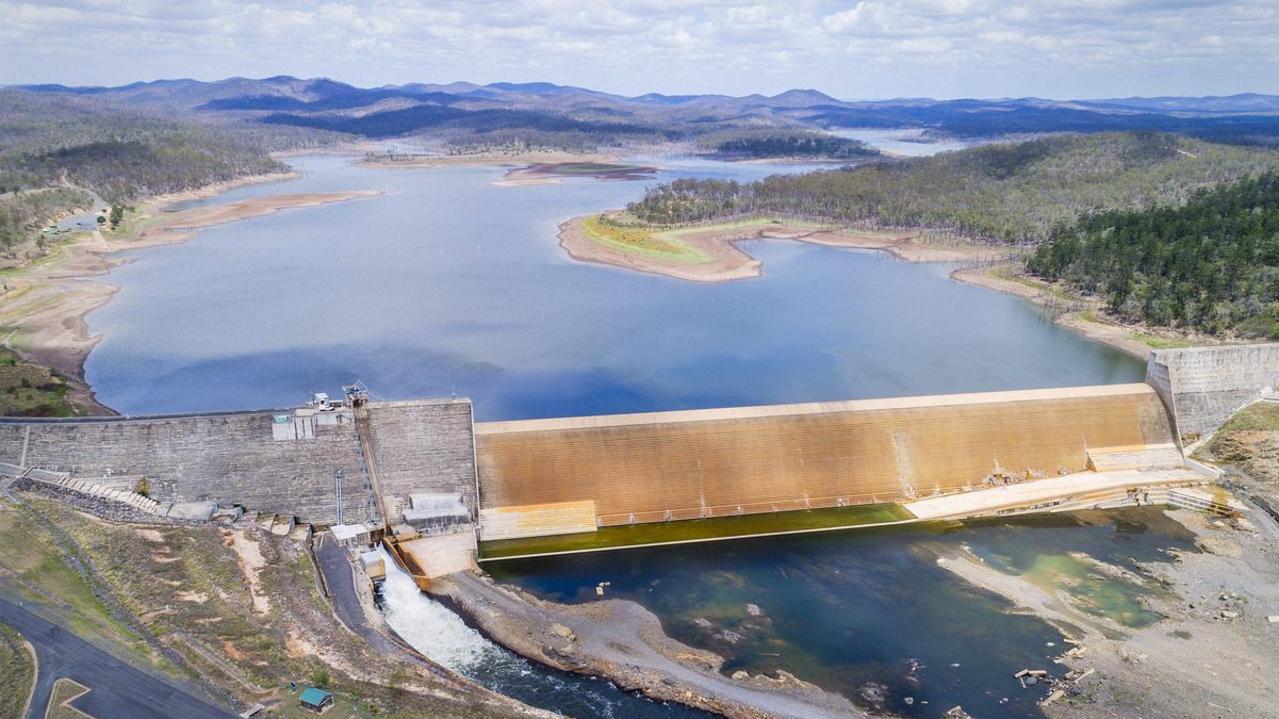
[[1011, 192], [54, 151], [119, 154], [1212, 264]]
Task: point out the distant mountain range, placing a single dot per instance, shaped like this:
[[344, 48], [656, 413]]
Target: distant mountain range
[[541, 107]]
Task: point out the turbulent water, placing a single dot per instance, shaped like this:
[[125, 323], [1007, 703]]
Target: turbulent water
[[437, 632]]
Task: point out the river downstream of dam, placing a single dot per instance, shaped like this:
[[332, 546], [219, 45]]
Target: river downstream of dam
[[449, 284]]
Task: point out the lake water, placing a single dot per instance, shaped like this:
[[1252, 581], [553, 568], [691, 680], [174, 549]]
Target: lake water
[[447, 284]]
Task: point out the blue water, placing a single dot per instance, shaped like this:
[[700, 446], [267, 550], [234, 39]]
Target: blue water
[[447, 284]]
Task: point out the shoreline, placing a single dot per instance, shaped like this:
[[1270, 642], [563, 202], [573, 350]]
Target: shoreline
[[483, 159], [1207, 650], [623, 642], [723, 260], [1072, 312], [47, 301]]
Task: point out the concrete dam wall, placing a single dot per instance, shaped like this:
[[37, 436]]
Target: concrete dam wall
[[1203, 386], [571, 474], [283, 461]]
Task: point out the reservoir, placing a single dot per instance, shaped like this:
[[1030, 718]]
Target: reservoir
[[448, 284]]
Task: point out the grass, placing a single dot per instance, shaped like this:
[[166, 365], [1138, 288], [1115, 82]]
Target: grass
[[1162, 342], [639, 240], [637, 237], [1261, 416], [36, 569], [343, 708], [65, 690], [31, 390], [697, 529], [17, 672]]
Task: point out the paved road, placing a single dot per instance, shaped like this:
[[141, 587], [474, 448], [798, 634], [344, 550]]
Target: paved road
[[117, 690]]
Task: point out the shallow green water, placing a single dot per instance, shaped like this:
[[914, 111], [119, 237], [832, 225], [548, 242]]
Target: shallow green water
[[697, 530], [851, 610]]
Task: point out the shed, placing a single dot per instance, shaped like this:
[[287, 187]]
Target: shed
[[351, 535], [317, 700], [374, 565]]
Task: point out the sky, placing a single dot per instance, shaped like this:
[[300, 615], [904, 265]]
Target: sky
[[851, 50]]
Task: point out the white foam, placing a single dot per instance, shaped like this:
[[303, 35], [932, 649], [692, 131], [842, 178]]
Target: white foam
[[430, 627]]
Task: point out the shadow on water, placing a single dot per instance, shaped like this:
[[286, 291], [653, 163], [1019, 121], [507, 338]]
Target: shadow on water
[[868, 613]]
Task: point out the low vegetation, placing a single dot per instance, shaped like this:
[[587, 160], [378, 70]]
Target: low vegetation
[[17, 672], [1211, 265], [31, 390], [611, 230], [236, 607], [1003, 192]]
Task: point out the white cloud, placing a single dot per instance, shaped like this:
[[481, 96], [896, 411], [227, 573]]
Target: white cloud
[[917, 47]]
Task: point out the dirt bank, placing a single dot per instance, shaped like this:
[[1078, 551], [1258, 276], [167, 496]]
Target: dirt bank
[[1083, 315], [45, 303], [624, 642], [712, 254], [1212, 655]]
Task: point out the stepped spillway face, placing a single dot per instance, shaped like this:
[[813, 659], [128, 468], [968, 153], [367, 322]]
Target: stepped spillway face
[[721, 462]]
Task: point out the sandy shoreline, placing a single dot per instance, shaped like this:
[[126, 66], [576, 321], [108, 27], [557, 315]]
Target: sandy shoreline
[[1077, 313], [47, 301], [726, 261], [1211, 655]]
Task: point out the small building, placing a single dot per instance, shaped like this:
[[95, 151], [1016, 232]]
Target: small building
[[351, 535], [317, 700], [374, 566]]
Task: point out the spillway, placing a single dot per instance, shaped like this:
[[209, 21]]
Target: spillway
[[549, 476]]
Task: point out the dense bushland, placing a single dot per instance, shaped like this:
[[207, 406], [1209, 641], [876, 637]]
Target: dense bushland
[[1013, 192], [1211, 265]]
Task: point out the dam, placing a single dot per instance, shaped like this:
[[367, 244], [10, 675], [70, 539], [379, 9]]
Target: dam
[[426, 465]]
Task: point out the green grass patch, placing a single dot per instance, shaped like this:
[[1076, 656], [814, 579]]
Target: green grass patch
[[1261, 416], [640, 240], [17, 672], [31, 390], [698, 529], [1161, 342]]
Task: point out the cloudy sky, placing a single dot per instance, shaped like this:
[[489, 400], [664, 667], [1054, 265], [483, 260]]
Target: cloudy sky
[[867, 49]]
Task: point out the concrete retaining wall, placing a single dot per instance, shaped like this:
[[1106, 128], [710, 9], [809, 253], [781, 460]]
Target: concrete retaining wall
[[1203, 386], [280, 461]]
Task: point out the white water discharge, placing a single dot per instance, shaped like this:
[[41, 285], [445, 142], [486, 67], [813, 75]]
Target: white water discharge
[[430, 627], [435, 631]]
